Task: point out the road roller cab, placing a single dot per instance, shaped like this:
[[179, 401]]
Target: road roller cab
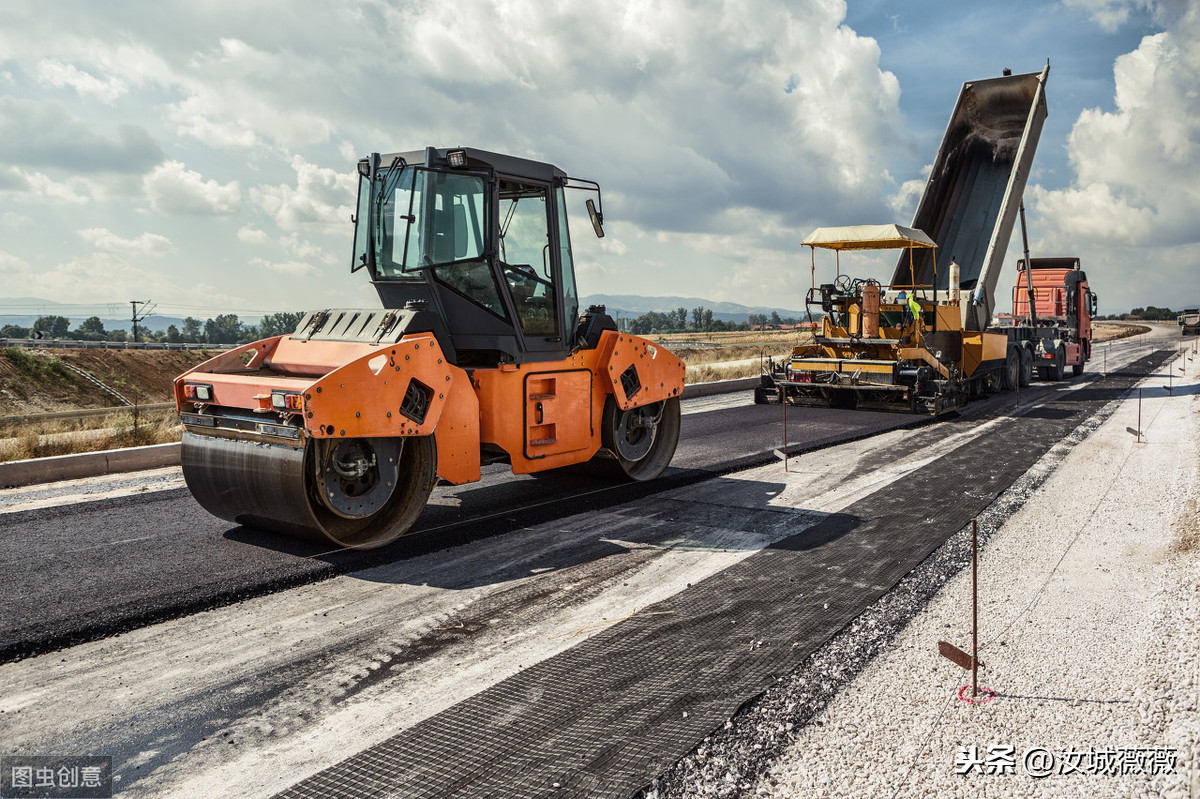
[[479, 355]]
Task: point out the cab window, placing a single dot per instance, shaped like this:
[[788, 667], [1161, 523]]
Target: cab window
[[525, 256]]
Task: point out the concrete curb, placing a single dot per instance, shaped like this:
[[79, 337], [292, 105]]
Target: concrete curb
[[87, 464], [115, 461], [719, 387]]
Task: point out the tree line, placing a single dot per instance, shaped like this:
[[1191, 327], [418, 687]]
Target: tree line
[[699, 320], [222, 329], [1150, 313]]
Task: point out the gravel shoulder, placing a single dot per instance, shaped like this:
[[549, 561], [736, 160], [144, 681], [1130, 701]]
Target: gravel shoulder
[[1089, 620]]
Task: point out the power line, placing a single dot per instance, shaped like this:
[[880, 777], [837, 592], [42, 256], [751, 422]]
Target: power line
[[136, 317], [209, 308]]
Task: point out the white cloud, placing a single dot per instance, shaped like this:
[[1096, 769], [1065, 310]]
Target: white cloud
[[108, 278], [1136, 181], [44, 187], [96, 277], [252, 235], [13, 179], [40, 187], [698, 119], [1110, 14], [294, 246], [691, 109], [91, 62], [1095, 213], [904, 202], [194, 117], [48, 135], [238, 96], [1131, 211], [613, 246], [292, 268], [11, 219], [11, 265], [172, 189], [51, 72], [230, 95], [320, 196], [589, 272], [147, 244]]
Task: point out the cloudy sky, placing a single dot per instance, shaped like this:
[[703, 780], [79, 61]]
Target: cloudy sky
[[201, 155]]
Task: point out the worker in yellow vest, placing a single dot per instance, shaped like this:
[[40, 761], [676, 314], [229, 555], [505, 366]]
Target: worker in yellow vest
[[914, 307]]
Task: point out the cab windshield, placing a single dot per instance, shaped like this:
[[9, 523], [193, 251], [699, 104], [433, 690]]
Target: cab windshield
[[418, 218], [423, 218]]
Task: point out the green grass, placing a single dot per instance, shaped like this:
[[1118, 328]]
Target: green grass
[[37, 368], [119, 383]]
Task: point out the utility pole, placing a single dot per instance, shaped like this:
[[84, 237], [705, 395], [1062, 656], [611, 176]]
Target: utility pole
[[139, 317]]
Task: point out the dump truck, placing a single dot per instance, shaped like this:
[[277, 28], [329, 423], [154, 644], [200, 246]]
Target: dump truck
[[1189, 322], [478, 355], [925, 341], [1058, 333]]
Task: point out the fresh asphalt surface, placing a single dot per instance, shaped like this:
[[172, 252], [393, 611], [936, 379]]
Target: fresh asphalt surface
[[80, 572]]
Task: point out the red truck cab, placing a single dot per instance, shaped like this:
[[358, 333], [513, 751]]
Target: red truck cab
[[1061, 300]]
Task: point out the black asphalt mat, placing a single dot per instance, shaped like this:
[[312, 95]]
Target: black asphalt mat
[[79, 572], [606, 716]]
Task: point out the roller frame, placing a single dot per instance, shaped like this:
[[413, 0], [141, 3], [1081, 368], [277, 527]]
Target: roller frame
[[240, 471]]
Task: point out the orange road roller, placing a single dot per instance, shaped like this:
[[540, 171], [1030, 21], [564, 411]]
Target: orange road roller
[[479, 355]]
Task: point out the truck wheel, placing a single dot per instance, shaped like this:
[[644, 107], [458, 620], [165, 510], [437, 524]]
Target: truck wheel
[[1012, 370], [1059, 370], [1044, 373], [1026, 376], [1084, 354]]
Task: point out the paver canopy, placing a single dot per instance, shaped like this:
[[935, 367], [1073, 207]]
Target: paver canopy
[[868, 237]]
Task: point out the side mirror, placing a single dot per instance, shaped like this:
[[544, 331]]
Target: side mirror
[[597, 219]]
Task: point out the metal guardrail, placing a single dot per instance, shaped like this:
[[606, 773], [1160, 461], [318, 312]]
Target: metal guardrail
[[70, 343], [86, 413]]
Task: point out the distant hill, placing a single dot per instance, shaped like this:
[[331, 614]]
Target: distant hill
[[152, 322], [636, 305]]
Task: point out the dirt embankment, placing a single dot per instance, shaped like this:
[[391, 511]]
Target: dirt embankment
[[36, 381], [1111, 331], [699, 350]]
